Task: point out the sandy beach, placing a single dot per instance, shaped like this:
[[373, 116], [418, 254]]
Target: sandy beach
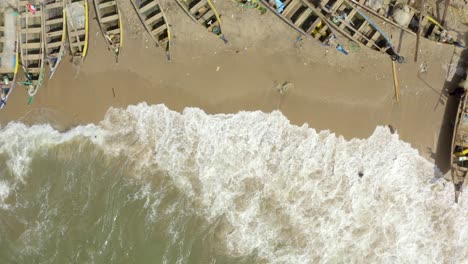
[[348, 95], [151, 185]]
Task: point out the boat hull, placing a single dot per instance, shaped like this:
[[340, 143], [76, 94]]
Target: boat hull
[[32, 45], [110, 23], [77, 29], [54, 33], [154, 20], [204, 13], [459, 150]]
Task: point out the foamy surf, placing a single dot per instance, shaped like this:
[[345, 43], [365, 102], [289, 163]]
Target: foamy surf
[[266, 188]]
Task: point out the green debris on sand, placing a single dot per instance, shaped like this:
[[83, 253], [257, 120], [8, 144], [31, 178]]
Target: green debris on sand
[[252, 4]]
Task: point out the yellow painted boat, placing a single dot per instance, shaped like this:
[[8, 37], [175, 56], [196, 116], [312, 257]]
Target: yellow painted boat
[[110, 23], [430, 28], [9, 54], [31, 45], [155, 22], [55, 22], [459, 154], [77, 29], [204, 13]]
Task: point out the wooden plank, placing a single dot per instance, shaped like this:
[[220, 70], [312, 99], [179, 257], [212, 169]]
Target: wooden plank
[[34, 70], [32, 56], [54, 33], [159, 29], [77, 33], [29, 15], [372, 40], [114, 31], [78, 45], [290, 7], [418, 35], [31, 45], [110, 18], [107, 4], [303, 17], [54, 5], [320, 33], [54, 21], [207, 15], [54, 44], [313, 26], [34, 30], [336, 4], [154, 18], [196, 7], [147, 7]]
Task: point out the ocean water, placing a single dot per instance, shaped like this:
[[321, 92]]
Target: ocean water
[[150, 185]]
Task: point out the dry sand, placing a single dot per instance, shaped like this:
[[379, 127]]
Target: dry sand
[[348, 95]]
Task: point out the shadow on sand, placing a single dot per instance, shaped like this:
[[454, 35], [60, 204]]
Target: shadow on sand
[[444, 142]]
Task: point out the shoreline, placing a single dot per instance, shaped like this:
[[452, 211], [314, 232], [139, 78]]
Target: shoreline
[[348, 95]]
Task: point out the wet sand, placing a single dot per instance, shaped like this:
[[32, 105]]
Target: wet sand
[[348, 95]]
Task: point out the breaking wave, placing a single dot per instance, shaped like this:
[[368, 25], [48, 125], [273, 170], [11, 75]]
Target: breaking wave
[[269, 189]]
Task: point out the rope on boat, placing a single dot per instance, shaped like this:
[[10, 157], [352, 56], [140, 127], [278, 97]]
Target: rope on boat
[[395, 56], [376, 27]]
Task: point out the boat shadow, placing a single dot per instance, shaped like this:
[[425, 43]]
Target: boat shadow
[[444, 143]]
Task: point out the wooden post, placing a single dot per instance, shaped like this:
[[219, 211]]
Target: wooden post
[[447, 3], [418, 36], [395, 82]]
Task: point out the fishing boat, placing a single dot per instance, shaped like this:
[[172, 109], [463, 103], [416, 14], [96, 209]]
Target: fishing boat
[[110, 23], [54, 33], [459, 156], [76, 12], [354, 24], [155, 22], [305, 19], [8, 54], [406, 18], [204, 13], [31, 45]]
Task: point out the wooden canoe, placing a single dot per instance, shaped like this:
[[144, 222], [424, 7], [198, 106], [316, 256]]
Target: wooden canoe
[[155, 22], [31, 46], [8, 54], [459, 153], [431, 30], [204, 13], [305, 19], [354, 24], [77, 29], [54, 33], [110, 23]]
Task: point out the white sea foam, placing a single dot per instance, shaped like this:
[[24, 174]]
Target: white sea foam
[[4, 192], [289, 194], [293, 194], [19, 141]]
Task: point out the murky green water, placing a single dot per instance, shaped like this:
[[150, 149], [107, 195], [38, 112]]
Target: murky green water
[[149, 185]]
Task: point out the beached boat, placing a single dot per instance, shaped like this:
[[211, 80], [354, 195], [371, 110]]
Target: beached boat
[[154, 20], [110, 22], [8, 54], [31, 45], [204, 13], [305, 19], [407, 18], [77, 29], [345, 18], [54, 33], [459, 156]]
